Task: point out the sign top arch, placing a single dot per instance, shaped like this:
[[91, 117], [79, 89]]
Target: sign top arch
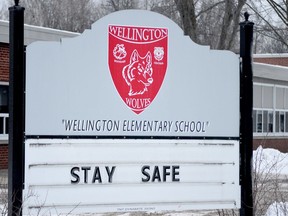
[[133, 74]]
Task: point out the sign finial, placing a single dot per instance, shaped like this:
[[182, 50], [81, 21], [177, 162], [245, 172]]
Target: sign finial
[[246, 15]]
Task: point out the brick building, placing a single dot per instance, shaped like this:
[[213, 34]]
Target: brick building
[[270, 112], [31, 34], [270, 101], [272, 59]]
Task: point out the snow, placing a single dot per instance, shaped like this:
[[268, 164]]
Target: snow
[[277, 209], [3, 210], [271, 161]]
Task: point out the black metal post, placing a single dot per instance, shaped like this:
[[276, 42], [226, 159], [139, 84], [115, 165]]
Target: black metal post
[[16, 110], [246, 111]]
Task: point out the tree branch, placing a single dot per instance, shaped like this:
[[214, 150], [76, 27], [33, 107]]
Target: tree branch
[[280, 38], [280, 11], [209, 8]]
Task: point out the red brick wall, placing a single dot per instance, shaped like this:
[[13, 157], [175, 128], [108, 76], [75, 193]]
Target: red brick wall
[[283, 61], [4, 77], [278, 143], [4, 62], [3, 156]]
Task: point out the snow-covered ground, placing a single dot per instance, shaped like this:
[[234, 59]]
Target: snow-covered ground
[[269, 161]]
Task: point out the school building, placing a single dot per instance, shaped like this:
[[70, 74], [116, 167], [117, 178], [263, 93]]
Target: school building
[[270, 101], [270, 107]]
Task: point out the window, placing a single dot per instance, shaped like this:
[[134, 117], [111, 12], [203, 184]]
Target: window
[[259, 122], [280, 98], [4, 116], [4, 95], [280, 120], [254, 121], [267, 97], [270, 110], [263, 121], [270, 121]]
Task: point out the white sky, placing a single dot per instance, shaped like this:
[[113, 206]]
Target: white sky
[[3, 3]]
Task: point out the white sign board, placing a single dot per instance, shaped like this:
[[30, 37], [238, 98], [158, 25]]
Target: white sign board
[[130, 175], [131, 116]]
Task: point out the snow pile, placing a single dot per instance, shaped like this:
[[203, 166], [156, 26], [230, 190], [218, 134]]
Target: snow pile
[[277, 209], [3, 210], [270, 161]]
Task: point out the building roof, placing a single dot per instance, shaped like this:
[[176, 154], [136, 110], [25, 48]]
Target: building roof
[[271, 55], [272, 58], [268, 71], [273, 66], [34, 33]]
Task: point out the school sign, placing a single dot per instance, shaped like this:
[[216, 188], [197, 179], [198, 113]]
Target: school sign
[[131, 116]]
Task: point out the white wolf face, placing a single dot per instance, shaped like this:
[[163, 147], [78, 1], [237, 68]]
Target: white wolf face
[[138, 73]]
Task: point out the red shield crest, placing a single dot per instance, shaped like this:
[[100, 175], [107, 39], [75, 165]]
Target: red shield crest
[[137, 63]]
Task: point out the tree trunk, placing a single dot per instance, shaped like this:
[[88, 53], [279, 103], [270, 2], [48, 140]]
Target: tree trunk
[[227, 20], [187, 12]]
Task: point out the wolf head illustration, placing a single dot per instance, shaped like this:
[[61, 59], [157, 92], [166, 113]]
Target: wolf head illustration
[[138, 73]]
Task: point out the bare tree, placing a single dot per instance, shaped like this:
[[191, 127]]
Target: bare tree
[[187, 10], [70, 15], [281, 9], [213, 22], [115, 5], [167, 8], [230, 23], [207, 22], [272, 26], [4, 12]]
